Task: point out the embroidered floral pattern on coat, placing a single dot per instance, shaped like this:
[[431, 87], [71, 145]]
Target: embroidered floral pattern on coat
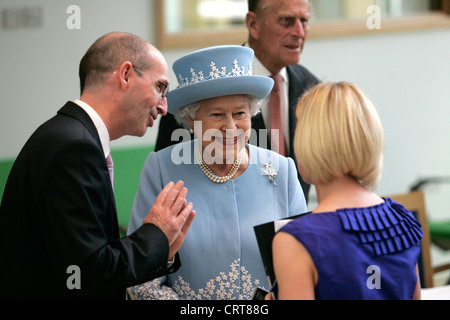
[[225, 286]]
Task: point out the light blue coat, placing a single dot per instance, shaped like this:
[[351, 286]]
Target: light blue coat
[[220, 256]]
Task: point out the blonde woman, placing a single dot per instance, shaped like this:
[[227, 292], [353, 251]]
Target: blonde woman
[[355, 244]]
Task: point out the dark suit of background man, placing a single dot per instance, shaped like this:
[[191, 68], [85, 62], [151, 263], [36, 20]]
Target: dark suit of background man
[[58, 210], [277, 33]]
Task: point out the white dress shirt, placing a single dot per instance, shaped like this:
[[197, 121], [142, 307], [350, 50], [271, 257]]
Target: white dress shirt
[[99, 125]]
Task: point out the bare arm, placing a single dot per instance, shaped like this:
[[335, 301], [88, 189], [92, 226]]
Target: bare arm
[[417, 292], [294, 269]]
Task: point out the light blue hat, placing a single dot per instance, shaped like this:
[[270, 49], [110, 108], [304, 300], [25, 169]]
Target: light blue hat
[[214, 72]]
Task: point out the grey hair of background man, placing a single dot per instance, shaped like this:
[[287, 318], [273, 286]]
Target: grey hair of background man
[[254, 5], [183, 115], [108, 53], [258, 5]]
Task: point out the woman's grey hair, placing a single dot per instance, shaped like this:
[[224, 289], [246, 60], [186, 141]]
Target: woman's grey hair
[[183, 115]]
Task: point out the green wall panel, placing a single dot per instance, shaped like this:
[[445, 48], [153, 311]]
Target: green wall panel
[[128, 165], [5, 168]]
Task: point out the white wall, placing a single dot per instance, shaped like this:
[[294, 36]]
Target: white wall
[[407, 76], [39, 67]]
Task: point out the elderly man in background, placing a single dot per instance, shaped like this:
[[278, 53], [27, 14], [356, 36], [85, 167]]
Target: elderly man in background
[[277, 33]]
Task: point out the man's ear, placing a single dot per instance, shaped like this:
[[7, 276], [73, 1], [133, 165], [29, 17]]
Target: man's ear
[[125, 71], [191, 123], [252, 25]]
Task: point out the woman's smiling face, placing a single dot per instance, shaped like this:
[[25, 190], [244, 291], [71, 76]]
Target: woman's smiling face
[[225, 127]]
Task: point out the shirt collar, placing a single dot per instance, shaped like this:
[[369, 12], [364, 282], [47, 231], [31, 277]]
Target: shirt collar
[[99, 125], [260, 70]]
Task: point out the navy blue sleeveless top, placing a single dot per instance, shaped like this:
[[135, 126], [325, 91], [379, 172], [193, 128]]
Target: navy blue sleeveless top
[[362, 253]]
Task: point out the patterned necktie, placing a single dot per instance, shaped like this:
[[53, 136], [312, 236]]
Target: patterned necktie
[[110, 164], [277, 133]]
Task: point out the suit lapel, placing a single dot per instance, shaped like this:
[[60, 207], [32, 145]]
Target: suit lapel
[[296, 89], [259, 127], [71, 109], [294, 93]]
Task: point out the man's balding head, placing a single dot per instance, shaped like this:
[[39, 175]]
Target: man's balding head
[[108, 53]]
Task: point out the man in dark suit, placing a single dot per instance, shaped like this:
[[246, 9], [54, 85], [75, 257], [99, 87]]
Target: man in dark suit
[[277, 33], [59, 235]]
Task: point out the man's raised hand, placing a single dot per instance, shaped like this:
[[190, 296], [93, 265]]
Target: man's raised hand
[[172, 214]]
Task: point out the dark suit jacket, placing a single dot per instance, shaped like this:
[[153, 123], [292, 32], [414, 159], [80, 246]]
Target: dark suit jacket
[[300, 79], [58, 210]]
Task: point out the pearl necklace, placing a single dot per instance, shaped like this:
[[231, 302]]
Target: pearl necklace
[[213, 177]]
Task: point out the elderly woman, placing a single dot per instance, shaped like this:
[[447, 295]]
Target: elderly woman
[[233, 185], [372, 243]]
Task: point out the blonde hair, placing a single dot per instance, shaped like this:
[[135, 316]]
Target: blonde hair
[[339, 133]]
